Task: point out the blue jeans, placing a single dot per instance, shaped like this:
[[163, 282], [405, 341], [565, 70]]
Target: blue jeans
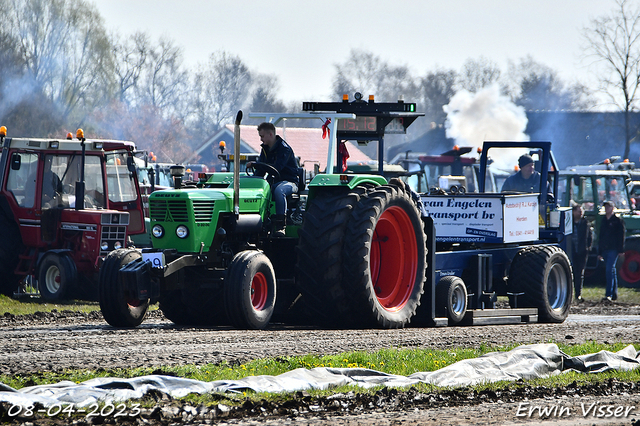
[[610, 257], [280, 193]]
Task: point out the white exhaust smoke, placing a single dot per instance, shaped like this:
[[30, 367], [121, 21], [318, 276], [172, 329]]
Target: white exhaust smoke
[[487, 115]]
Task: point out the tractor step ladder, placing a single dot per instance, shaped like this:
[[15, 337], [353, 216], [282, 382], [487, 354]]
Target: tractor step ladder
[[26, 262]]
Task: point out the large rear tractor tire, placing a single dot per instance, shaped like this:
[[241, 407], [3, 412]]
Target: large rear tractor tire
[[320, 255], [544, 275], [10, 248], [119, 307], [250, 290], [384, 259], [57, 276], [629, 269], [451, 299]]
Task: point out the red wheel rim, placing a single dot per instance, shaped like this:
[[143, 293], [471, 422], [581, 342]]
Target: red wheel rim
[[630, 270], [259, 291], [393, 259], [134, 303]]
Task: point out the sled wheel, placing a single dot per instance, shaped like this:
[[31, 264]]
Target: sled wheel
[[10, 247], [385, 258], [119, 307], [543, 274], [250, 290], [629, 269], [451, 299], [320, 254], [57, 275]]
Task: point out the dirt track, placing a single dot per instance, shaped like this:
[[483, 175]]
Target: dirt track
[[66, 340]]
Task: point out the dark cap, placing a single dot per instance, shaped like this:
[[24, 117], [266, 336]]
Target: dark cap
[[608, 203], [524, 160]]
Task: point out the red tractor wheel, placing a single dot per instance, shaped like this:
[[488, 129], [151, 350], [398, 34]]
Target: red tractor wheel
[[385, 254], [629, 268], [57, 275], [250, 290]]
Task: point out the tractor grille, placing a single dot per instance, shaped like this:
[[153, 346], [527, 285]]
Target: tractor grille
[[169, 210], [111, 234], [203, 210]]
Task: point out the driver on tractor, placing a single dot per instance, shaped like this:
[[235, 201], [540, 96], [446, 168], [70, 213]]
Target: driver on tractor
[[277, 153]]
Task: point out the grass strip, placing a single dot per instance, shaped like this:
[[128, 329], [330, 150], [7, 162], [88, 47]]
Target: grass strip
[[401, 361]]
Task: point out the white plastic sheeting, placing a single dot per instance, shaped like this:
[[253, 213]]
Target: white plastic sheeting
[[524, 362]]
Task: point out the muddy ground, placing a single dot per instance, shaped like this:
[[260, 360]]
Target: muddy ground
[[61, 340]]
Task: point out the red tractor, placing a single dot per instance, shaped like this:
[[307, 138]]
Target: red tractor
[[64, 205]]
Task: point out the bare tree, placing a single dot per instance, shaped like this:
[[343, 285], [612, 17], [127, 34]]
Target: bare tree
[[64, 48], [614, 41], [163, 83], [368, 74], [221, 87], [129, 57], [436, 89], [264, 96], [536, 86], [478, 73]]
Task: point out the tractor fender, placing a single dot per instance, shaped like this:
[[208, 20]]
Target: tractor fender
[[41, 254]]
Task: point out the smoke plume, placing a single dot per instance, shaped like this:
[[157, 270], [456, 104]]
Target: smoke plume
[[487, 115]]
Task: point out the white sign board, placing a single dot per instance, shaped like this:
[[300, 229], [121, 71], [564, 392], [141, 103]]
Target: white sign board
[[490, 218], [521, 218]]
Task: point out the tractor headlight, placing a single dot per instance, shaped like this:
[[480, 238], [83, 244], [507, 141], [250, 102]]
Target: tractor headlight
[[157, 231], [104, 246], [117, 245], [182, 231]]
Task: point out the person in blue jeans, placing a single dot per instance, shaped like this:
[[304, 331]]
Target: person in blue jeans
[[610, 245], [276, 152]]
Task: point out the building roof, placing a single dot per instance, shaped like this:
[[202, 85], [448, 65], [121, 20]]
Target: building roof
[[307, 143]]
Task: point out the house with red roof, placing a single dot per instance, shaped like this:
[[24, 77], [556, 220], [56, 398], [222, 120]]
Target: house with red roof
[[307, 144]]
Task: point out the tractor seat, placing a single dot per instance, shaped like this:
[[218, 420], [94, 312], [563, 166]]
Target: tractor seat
[[292, 200]]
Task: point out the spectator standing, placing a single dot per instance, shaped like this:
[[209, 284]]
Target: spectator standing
[[610, 245], [580, 245]]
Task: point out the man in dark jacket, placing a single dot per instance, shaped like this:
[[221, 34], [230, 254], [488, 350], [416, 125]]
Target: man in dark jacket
[[527, 179], [276, 152], [610, 245], [580, 245]]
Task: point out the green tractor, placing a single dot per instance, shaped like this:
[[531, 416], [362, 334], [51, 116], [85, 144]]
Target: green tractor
[[590, 186], [354, 254]]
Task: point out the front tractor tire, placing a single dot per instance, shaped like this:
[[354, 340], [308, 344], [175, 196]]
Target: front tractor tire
[[385, 258], [119, 307], [543, 274], [250, 290], [57, 275]]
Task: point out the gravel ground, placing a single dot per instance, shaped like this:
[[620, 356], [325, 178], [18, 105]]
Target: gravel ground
[[61, 340]]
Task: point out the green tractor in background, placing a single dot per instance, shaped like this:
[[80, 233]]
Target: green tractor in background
[[591, 186], [354, 254]]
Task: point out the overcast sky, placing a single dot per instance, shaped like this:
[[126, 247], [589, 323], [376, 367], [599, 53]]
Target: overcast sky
[[301, 41]]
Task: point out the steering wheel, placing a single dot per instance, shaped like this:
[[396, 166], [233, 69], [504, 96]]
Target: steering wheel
[[264, 168]]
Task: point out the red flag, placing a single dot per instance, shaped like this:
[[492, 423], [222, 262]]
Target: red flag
[[325, 129], [342, 149]]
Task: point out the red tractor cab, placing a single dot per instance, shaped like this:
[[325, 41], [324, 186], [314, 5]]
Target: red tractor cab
[[64, 205]]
